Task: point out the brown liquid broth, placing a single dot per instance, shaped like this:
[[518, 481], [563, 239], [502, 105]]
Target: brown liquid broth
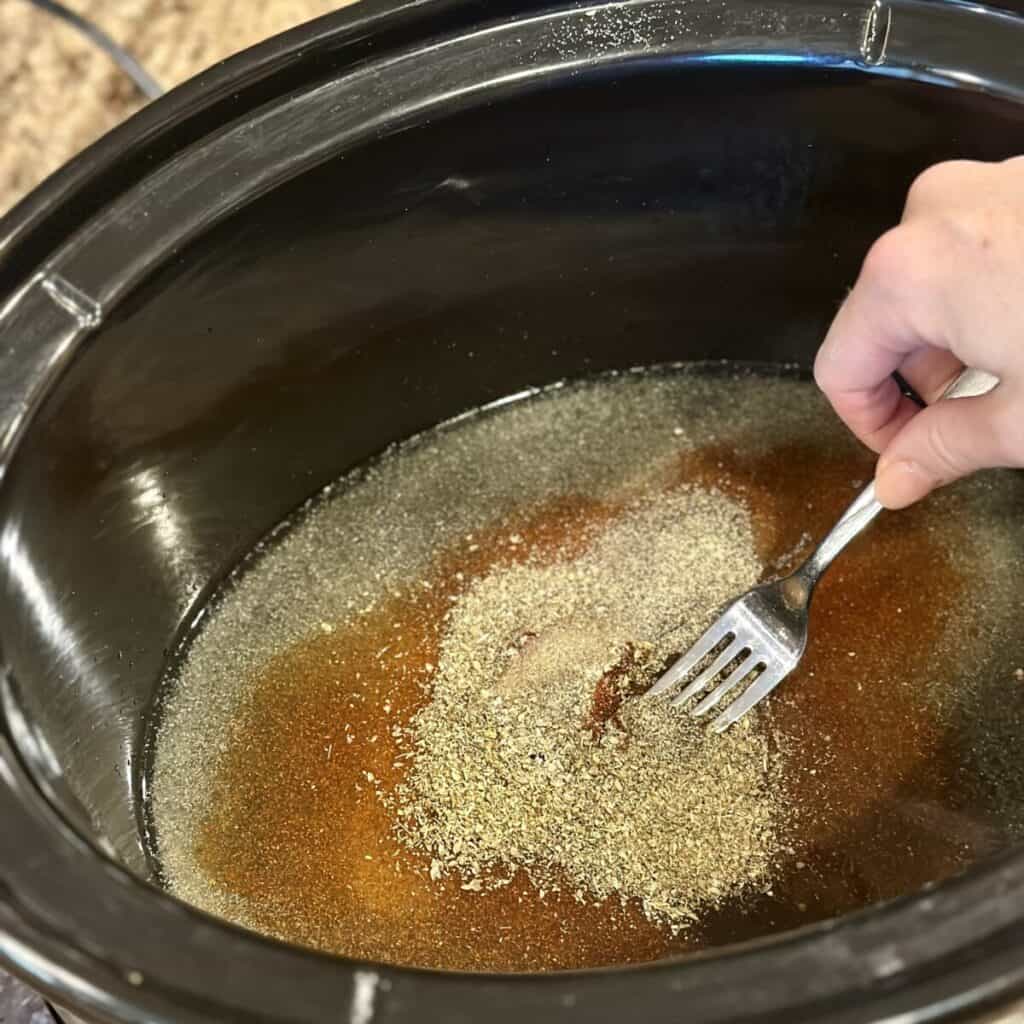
[[298, 834]]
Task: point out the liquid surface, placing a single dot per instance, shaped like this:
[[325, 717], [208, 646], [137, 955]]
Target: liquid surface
[[284, 717]]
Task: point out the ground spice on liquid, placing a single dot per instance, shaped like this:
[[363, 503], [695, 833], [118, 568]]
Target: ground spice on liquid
[[507, 772], [303, 716]]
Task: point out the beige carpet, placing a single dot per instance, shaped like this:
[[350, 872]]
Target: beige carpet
[[58, 93]]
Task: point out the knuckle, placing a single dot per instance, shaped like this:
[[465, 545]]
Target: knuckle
[[918, 263], [888, 257], [952, 203], [941, 184], [981, 229], [824, 373], [901, 260]]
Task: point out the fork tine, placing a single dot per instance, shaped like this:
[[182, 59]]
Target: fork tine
[[754, 693], [681, 668], [733, 679], [734, 647]]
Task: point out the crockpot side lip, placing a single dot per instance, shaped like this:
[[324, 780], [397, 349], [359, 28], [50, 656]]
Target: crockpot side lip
[[56, 975], [232, 87]]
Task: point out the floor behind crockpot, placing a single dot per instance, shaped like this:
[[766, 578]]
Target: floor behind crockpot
[[60, 93]]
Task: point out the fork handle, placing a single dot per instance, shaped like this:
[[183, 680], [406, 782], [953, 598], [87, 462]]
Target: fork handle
[[865, 506]]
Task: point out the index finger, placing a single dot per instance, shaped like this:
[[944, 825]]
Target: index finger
[[876, 332]]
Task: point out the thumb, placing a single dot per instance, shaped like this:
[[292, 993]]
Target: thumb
[[944, 442]]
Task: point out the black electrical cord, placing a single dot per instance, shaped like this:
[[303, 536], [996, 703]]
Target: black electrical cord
[[144, 81]]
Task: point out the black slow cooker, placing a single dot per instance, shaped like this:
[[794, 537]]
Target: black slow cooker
[[339, 238]]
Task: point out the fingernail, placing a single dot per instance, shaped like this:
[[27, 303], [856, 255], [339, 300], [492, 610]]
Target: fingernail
[[900, 482]]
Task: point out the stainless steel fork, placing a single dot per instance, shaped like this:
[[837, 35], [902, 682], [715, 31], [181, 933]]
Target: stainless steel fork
[[765, 630]]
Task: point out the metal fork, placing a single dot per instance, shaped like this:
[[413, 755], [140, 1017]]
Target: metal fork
[[766, 628]]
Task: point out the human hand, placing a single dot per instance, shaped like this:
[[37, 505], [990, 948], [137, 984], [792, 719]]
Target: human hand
[[942, 290]]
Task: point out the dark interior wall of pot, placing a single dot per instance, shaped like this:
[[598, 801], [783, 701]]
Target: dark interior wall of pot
[[668, 213]]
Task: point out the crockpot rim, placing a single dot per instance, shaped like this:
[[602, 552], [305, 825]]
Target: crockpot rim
[[67, 972]]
